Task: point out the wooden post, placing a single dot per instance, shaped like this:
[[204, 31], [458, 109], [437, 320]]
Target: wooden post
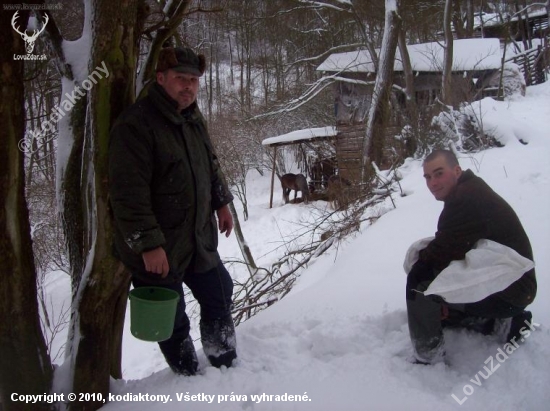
[[273, 175]]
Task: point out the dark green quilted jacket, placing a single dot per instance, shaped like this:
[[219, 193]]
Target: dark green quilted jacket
[[165, 184]]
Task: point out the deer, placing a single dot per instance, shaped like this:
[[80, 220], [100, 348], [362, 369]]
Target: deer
[[296, 182], [29, 40]]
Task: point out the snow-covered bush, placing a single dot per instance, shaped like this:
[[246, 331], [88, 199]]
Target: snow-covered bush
[[464, 128], [513, 82]]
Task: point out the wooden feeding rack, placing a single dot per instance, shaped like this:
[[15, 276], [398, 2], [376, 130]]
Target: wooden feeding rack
[[308, 135]]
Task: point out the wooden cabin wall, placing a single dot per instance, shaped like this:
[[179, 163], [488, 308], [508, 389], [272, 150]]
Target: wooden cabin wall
[[352, 101]]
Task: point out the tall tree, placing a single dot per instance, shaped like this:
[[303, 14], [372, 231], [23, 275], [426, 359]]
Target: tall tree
[[412, 109], [25, 367], [110, 42], [98, 280], [380, 106], [446, 82]]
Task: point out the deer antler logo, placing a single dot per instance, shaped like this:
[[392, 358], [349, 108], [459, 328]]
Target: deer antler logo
[[29, 40]]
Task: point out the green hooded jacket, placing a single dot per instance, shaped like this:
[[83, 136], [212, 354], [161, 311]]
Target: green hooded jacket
[[165, 184]]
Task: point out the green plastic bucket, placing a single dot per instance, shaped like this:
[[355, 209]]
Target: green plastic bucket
[[152, 313]]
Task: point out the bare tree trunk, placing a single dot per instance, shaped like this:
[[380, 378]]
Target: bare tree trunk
[[100, 286], [458, 21], [412, 110], [446, 81], [469, 18], [34, 150], [366, 38], [100, 282], [379, 110], [481, 22], [526, 25], [25, 367]]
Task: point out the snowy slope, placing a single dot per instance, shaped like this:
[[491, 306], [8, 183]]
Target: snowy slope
[[340, 337]]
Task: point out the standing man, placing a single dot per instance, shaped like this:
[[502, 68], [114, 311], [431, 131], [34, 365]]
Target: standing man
[[471, 211], [166, 187]]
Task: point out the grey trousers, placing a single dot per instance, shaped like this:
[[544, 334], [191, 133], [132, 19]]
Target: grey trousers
[[425, 320]]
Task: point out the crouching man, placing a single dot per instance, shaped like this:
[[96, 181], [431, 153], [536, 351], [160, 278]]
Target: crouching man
[[472, 211], [166, 189]]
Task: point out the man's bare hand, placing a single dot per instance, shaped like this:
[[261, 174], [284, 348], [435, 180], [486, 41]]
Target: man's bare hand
[[156, 261], [225, 220]]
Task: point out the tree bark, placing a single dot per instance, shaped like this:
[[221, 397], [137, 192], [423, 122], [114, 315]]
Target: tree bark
[[380, 106], [458, 21], [100, 284], [25, 366], [469, 18], [446, 85], [412, 110]]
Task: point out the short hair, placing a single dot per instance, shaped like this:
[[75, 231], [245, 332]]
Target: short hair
[[448, 155]]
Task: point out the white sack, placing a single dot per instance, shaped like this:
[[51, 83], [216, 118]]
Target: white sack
[[412, 253], [488, 268]]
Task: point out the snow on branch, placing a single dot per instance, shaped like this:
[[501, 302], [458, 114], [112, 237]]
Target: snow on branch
[[391, 5], [321, 5], [312, 92], [523, 10], [328, 52], [326, 230]]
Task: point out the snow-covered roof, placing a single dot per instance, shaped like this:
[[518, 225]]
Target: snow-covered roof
[[496, 19], [488, 19], [297, 135], [468, 55]]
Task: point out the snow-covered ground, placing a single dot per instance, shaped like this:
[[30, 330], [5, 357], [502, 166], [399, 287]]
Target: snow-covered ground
[[339, 340]]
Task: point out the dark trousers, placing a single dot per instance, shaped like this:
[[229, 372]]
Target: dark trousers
[[425, 318], [213, 291]]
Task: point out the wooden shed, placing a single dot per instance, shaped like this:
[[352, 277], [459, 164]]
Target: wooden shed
[[474, 61], [525, 26], [530, 30], [307, 136]]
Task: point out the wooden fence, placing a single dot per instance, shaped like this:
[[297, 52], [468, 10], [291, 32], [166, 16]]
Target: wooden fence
[[533, 64]]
